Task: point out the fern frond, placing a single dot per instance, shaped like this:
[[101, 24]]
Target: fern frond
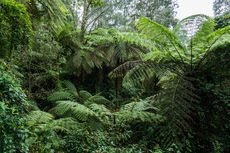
[[127, 117], [136, 71], [140, 73], [97, 99], [218, 36], [65, 124], [39, 117], [60, 95], [216, 39], [217, 60], [142, 105], [70, 86], [161, 36], [200, 39], [113, 36], [54, 10], [188, 27], [136, 39], [121, 70], [102, 112], [84, 95], [43, 120], [73, 109], [176, 102], [119, 46]]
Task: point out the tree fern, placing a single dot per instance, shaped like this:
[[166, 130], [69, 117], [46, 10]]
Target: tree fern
[[117, 46], [177, 64]]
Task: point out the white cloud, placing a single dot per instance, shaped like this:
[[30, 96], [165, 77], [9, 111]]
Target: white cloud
[[191, 7]]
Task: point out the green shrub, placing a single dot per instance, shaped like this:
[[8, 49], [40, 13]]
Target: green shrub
[[13, 127], [15, 28]]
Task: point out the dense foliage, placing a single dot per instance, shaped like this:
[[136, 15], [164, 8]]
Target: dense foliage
[[13, 127], [94, 76], [15, 28]]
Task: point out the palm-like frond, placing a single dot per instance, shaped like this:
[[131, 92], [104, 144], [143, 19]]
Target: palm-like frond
[[199, 42], [215, 40], [188, 27], [102, 46], [138, 75], [142, 105], [97, 99], [84, 95], [102, 112], [217, 60], [70, 86], [81, 105], [121, 70], [84, 57], [60, 95], [39, 117], [113, 36], [141, 111], [65, 124], [92, 114], [176, 103], [43, 121], [53, 9], [163, 38], [75, 110], [45, 130], [131, 117], [219, 37], [117, 46], [137, 70]]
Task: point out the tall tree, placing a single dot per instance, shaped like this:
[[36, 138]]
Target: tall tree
[[123, 13], [15, 28], [221, 7]]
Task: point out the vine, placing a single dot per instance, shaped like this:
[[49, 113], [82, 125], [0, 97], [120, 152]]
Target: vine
[[15, 28], [13, 127]]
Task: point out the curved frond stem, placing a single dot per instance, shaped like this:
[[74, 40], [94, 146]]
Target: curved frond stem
[[191, 54], [178, 53], [209, 48]]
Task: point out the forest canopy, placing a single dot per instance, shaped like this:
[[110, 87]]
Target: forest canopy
[[113, 76]]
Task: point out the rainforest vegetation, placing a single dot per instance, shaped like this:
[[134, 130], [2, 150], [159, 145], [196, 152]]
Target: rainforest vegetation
[[113, 76]]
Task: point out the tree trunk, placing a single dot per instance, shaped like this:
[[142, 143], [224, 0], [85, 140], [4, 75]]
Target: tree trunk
[[99, 82], [84, 19]]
